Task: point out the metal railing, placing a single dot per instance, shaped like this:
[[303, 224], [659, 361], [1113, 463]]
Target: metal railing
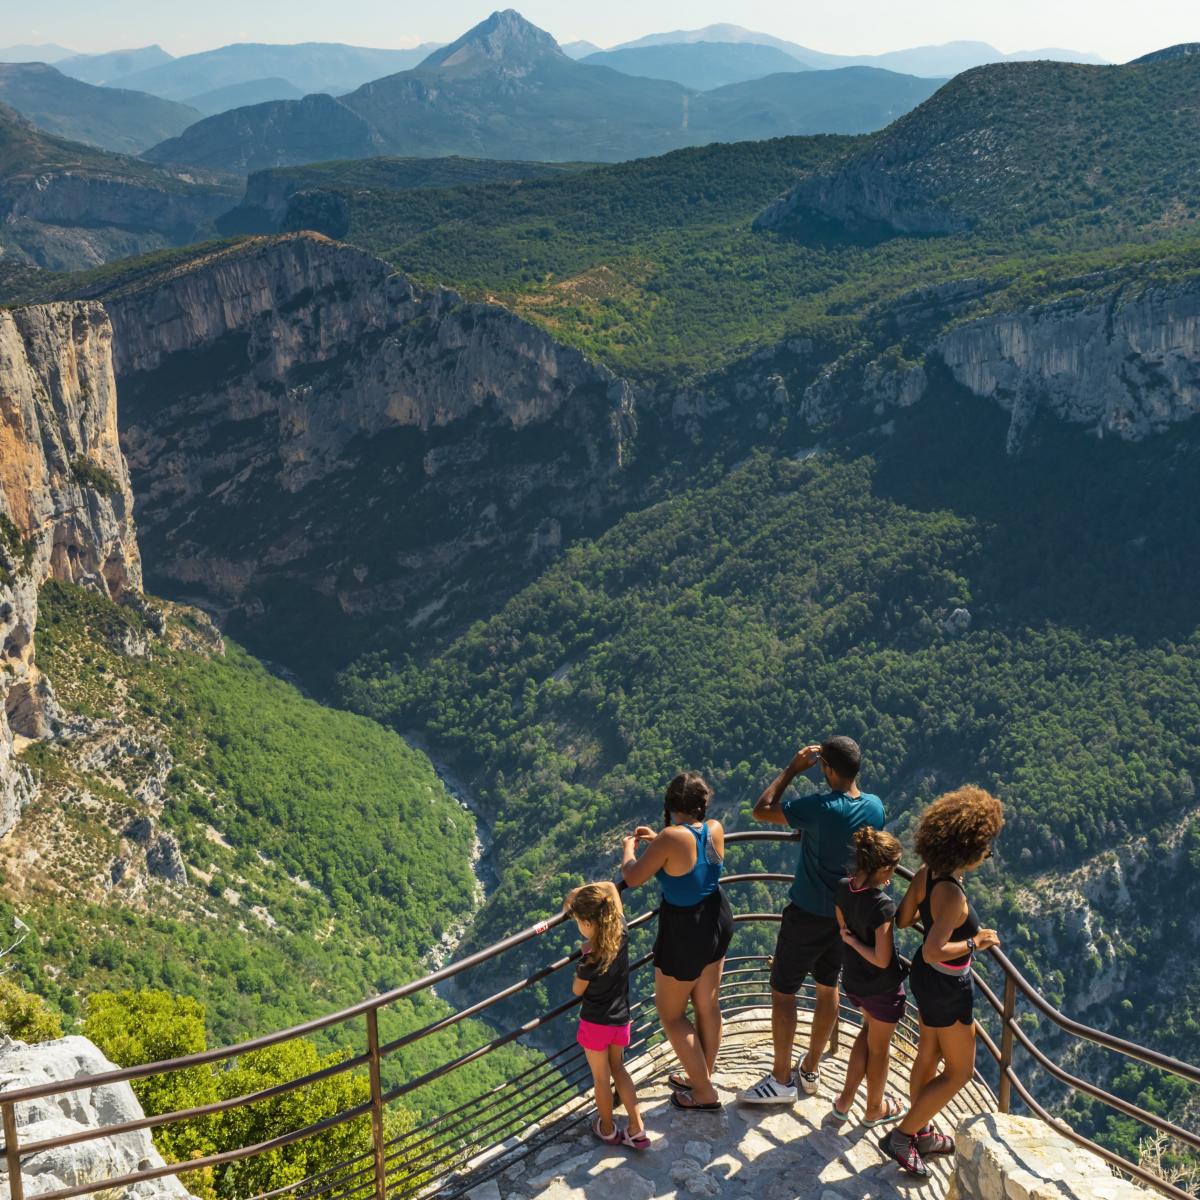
[[442, 1152]]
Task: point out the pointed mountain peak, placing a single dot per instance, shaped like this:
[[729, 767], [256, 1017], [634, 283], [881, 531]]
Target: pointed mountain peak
[[505, 39]]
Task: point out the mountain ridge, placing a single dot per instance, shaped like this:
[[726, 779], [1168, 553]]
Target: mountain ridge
[[506, 90]]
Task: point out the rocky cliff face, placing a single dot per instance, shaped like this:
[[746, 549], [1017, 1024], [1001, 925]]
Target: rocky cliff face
[[1126, 364], [65, 504], [1129, 367], [311, 433]]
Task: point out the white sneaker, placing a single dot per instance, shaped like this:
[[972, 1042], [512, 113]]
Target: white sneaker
[[809, 1081], [768, 1090]]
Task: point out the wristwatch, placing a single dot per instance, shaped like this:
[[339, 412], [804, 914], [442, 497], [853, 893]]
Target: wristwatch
[[970, 945]]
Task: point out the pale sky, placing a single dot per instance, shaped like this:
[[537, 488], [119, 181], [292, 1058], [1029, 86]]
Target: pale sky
[[1116, 29]]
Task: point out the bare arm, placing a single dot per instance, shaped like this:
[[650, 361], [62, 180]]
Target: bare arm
[[635, 871], [878, 955], [906, 915], [949, 908], [579, 986], [768, 807]]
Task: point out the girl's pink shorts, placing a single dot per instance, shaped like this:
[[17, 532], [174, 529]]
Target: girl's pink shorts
[[599, 1037]]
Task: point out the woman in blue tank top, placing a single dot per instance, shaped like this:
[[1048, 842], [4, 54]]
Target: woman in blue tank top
[[694, 928]]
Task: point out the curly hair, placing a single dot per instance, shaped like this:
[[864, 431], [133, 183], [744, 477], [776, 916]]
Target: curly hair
[[687, 793], [957, 829], [600, 905], [875, 849]]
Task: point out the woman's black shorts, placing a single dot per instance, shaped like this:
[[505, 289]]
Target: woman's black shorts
[[941, 999], [691, 938]]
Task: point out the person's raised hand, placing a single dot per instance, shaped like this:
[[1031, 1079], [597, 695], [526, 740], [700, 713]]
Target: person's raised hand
[[643, 833], [803, 759], [985, 939]]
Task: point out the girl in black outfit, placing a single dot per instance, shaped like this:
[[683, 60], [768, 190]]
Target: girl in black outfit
[[954, 836], [872, 975], [602, 979]]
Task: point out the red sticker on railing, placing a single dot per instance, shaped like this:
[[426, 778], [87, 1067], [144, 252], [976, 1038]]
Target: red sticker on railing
[[541, 927]]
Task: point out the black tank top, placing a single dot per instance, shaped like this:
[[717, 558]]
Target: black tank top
[[969, 928]]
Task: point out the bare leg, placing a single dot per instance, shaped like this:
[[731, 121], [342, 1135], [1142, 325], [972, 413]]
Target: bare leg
[[956, 1043], [671, 999], [925, 1065], [879, 1051], [625, 1088], [706, 1008], [825, 1014], [598, 1061], [856, 1069], [783, 1034]]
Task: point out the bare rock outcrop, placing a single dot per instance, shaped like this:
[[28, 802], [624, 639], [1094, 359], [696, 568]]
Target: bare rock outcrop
[[1129, 366], [66, 511], [23, 1066], [302, 421]]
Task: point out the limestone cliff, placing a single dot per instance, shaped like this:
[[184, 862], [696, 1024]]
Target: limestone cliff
[[1129, 367], [304, 425], [65, 504], [1124, 363]]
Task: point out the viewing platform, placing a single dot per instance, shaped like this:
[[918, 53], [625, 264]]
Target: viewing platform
[[746, 1152], [79, 1132]]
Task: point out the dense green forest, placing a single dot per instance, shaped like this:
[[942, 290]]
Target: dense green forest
[[785, 600], [324, 856]]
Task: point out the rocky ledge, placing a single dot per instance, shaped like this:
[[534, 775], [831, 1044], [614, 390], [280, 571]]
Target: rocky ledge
[[745, 1152], [24, 1066]]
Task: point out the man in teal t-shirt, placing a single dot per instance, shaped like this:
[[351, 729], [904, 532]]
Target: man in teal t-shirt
[[809, 940]]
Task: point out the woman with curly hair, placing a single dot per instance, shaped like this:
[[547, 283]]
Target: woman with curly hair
[[954, 836], [694, 929]]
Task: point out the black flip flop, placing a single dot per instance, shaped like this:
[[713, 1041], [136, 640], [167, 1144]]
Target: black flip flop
[[695, 1106], [678, 1083]]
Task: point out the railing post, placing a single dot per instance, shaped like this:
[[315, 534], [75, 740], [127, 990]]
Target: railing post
[[12, 1152], [1004, 1094], [376, 1103]]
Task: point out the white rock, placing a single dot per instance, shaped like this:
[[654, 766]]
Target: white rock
[[1020, 1158], [689, 1175], [701, 1151], [485, 1191], [23, 1066], [550, 1154]]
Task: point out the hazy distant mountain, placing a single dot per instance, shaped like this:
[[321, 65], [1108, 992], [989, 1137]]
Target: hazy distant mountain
[[112, 118], [506, 90], [943, 60], [955, 57], [238, 95], [848, 100], [699, 65], [47, 52], [579, 49], [309, 66], [64, 205], [114, 66], [717, 33]]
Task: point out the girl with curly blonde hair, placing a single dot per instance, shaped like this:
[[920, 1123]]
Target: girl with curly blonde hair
[[954, 837]]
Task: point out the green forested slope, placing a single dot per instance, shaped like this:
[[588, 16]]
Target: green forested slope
[[325, 858], [786, 600]]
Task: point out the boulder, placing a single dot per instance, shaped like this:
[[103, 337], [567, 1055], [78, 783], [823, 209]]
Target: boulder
[[1002, 1157], [23, 1066]]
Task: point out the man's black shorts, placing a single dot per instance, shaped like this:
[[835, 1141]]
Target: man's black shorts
[[807, 945]]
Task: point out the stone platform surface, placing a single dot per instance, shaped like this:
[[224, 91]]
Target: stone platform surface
[[746, 1152]]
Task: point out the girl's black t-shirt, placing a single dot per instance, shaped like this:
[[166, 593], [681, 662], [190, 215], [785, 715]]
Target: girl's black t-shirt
[[864, 911], [606, 1001]]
